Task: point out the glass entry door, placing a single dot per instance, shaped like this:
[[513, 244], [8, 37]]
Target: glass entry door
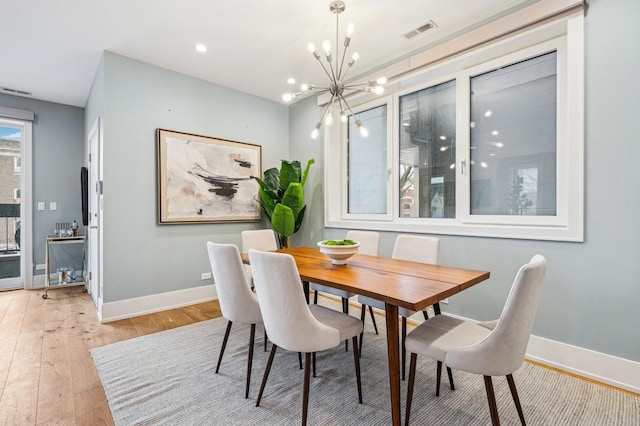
[[10, 204]]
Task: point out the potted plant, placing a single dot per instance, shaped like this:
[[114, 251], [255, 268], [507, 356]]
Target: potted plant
[[282, 197]]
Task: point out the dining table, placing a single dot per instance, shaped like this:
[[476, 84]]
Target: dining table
[[397, 283]]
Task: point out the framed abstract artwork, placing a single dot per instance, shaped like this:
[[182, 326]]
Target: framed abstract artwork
[[206, 180]]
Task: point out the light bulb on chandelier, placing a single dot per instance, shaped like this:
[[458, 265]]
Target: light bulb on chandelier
[[337, 71]]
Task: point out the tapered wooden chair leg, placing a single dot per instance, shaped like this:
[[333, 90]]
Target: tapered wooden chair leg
[[363, 316], [450, 373], [265, 339], [313, 357], [224, 345], [315, 297], [516, 400], [356, 361], [438, 376], [491, 397], [266, 373], [403, 348], [373, 319], [305, 389], [300, 360], [412, 378], [250, 359], [345, 309], [436, 308]]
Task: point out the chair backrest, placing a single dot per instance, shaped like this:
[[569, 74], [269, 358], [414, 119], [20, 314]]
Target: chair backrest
[[369, 241], [259, 239], [237, 301], [502, 351], [416, 248], [287, 318]]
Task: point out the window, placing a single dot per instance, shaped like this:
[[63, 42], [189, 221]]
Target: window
[[428, 152], [16, 194], [367, 163], [16, 164], [513, 126], [487, 144]]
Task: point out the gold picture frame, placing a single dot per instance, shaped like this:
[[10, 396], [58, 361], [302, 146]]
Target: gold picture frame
[[202, 179]]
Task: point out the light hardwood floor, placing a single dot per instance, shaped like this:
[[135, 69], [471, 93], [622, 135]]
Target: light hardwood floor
[[47, 375]]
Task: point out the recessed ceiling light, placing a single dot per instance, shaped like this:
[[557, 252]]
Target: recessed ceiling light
[[201, 48], [443, 138], [495, 133], [487, 113], [291, 80]]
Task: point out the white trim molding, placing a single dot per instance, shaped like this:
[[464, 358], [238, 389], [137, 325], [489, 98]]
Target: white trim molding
[[612, 370], [113, 311]]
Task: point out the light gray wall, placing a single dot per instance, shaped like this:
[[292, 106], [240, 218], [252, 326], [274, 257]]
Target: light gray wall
[[94, 106], [141, 257], [591, 296], [57, 158]]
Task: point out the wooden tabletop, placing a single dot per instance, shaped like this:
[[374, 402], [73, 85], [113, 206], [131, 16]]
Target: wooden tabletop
[[410, 285]]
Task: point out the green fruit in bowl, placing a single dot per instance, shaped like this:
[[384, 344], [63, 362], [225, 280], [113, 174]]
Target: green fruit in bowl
[[339, 243]]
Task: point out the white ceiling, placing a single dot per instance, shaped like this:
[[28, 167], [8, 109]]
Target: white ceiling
[[53, 48]]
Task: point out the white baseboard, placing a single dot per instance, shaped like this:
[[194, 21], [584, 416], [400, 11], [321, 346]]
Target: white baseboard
[[608, 369], [128, 308]]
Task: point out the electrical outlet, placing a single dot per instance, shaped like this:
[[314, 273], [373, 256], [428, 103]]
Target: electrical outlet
[[445, 301], [40, 266], [206, 276]]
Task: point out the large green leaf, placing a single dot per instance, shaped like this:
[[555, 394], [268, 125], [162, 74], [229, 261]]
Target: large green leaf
[[272, 179], [267, 202], [306, 171], [299, 219], [289, 173], [283, 221], [294, 198]]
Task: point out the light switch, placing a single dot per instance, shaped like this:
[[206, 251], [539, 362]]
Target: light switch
[[53, 205], [40, 205]]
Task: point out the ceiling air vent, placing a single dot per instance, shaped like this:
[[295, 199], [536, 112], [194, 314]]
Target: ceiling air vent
[[14, 91], [419, 30]]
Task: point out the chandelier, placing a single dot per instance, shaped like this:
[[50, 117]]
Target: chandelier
[[337, 73]]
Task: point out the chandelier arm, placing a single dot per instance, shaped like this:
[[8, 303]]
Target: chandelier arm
[[325, 70], [324, 111], [344, 53], [347, 105], [345, 73]]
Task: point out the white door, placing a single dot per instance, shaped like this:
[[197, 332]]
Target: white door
[[15, 204], [95, 214]]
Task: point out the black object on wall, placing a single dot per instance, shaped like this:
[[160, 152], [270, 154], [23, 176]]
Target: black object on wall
[[84, 188]]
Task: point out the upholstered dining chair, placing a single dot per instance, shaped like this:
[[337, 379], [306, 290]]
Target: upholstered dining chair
[[259, 239], [494, 348], [237, 301], [369, 243], [414, 248], [294, 325]]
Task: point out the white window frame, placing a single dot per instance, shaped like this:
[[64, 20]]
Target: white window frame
[[566, 36]]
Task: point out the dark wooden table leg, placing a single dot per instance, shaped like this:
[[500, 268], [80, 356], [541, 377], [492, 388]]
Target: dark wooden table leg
[[391, 314]]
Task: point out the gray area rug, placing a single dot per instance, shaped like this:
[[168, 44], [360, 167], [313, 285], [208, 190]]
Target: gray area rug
[[168, 378]]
